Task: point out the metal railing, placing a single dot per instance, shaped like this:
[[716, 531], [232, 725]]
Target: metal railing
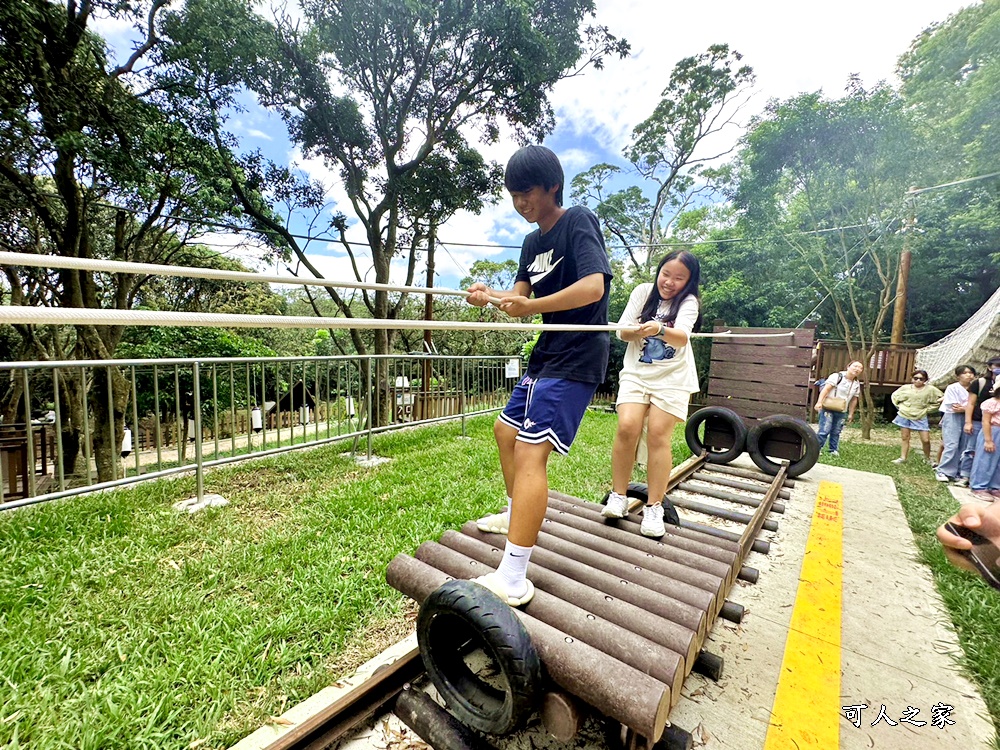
[[170, 416]]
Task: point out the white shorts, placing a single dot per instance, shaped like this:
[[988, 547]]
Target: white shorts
[[674, 402]]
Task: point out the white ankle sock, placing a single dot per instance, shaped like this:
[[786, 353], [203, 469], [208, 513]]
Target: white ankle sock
[[514, 567]]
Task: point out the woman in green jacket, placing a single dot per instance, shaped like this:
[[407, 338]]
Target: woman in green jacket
[[914, 402]]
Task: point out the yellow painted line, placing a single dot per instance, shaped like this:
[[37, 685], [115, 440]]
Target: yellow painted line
[[806, 711]]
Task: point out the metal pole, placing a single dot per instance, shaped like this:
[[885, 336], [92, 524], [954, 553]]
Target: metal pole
[[215, 408], [59, 442], [86, 424], [177, 404], [461, 397], [115, 449], [156, 422], [368, 385], [135, 424], [232, 408], [199, 469], [31, 436]]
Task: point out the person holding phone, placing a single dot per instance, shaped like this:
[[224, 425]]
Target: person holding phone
[[970, 539]]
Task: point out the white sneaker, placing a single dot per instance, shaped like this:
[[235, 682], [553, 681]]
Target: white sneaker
[[941, 477], [616, 507], [899, 460], [835, 453], [652, 521], [962, 482]]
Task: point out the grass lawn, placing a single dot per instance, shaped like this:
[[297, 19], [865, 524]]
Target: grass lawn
[[126, 624]]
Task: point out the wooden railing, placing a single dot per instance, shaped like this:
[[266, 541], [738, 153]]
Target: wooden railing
[[890, 366]]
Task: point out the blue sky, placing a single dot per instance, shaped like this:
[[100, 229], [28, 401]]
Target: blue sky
[[793, 46]]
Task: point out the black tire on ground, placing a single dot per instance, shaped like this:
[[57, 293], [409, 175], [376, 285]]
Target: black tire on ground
[[460, 619], [720, 420], [781, 425]]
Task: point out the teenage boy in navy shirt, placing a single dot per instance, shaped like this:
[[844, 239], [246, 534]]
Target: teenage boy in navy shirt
[[565, 276]]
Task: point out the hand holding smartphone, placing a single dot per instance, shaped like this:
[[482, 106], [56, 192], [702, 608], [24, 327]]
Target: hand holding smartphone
[[984, 555]]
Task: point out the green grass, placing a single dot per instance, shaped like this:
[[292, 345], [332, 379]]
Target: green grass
[[125, 624]]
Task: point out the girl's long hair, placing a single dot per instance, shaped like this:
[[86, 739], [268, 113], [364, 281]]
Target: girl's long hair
[[654, 299]]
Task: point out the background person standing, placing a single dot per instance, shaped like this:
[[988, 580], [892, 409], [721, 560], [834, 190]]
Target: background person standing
[[914, 402], [842, 390]]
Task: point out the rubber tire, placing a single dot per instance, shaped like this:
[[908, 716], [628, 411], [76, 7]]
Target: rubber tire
[[463, 612], [733, 421], [757, 434]]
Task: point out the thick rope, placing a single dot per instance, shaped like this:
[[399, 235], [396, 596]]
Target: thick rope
[[23, 315], [195, 272]]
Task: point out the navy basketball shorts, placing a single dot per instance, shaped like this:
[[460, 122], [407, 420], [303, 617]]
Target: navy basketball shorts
[[548, 410]]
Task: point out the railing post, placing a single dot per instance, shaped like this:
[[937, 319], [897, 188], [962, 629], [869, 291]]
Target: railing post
[[461, 397], [114, 447], [135, 425], [59, 443], [368, 385], [30, 479], [199, 470]]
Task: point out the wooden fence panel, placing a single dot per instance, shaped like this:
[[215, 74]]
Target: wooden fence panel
[[760, 377]]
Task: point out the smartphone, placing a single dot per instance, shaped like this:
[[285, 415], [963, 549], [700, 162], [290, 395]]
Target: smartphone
[[984, 554]]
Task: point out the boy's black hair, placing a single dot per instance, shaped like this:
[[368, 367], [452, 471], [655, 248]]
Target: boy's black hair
[[534, 166], [959, 370], [654, 299]]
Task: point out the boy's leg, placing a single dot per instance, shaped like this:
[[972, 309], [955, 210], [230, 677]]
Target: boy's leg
[[506, 436], [554, 410], [531, 492]]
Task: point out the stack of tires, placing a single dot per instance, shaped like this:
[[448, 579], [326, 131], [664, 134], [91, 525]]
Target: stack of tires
[[727, 436]]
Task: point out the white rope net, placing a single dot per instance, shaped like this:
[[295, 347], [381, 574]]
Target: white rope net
[[973, 343]]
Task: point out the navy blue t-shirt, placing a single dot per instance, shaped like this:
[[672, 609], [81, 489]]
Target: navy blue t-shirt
[[550, 262]]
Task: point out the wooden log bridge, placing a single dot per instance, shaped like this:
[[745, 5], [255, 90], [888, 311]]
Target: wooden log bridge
[[618, 619]]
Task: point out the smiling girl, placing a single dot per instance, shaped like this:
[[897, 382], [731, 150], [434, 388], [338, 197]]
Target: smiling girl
[[657, 379]]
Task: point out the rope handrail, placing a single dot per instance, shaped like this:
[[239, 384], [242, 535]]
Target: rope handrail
[[24, 315]]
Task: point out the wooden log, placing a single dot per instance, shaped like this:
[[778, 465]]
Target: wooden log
[[434, 725], [739, 471], [691, 616], [615, 689], [677, 638], [736, 484], [562, 715], [630, 648], [730, 497]]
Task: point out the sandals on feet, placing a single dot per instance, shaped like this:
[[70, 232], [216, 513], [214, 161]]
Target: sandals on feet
[[498, 523], [494, 583]]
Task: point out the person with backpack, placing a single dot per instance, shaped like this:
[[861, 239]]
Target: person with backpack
[[836, 404]]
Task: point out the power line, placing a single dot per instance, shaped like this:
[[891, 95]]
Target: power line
[[918, 191]]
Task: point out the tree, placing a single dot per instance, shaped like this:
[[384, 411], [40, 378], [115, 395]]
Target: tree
[[951, 76], [827, 180], [702, 98], [91, 169]]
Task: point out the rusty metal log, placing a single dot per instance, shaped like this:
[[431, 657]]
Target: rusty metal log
[[669, 634], [733, 612], [617, 690], [562, 715], [700, 529], [698, 601], [434, 725], [630, 648], [716, 584], [665, 606], [736, 484], [709, 664], [584, 509], [694, 554], [753, 528], [731, 497], [729, 515], [750, 575], [738, 471]]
